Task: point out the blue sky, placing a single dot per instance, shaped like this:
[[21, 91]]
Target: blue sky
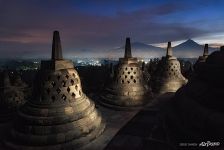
[[26, 26]]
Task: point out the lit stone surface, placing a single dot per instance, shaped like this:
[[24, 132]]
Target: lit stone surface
[[168, 77], [128, 89], [60, 115], [11, 97]]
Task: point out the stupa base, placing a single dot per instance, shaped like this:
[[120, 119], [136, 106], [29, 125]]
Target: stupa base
[[69, 145]]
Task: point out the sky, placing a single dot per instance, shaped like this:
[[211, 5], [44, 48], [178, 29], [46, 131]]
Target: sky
[[26, 26]]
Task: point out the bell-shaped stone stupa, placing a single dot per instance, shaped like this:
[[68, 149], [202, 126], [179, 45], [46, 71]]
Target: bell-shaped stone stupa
[[168, 77], [128, 89], [11, 98], [59, 115]]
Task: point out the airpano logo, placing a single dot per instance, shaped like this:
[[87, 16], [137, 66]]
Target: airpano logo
[[209, 143], [202, 144]]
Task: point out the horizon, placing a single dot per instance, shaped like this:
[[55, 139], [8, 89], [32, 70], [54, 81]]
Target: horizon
[[138, 52]]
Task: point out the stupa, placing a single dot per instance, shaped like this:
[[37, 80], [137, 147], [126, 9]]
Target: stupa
[[11, 98], [168, 77], [59, 116], [128, 89], [202, 58], [200, 105]]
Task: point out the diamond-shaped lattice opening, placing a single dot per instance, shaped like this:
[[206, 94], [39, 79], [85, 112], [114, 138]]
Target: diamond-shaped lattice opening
[[68, 89], [134, 72], [128, 81], [131, 68], [131, 77], [128, 72], [53, 83], [58, 77], [126, 68], [53, 98], [73, 75], [76, 87], [58, 90], [63, 83], [67, 76], [63, 97], [72, 82], [48, 91], [134, 81], [73, 95], [122, 81], [80, 93]]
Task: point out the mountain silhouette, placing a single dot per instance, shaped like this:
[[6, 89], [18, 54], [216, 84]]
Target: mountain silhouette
[[189, 49], [188, 45], [139, 49]]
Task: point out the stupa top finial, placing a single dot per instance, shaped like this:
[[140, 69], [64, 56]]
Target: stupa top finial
[[169, 51], [205, 50], [56, 47], [127, 53]]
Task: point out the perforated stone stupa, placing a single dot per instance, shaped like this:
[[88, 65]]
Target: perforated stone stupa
[[128, 89], [11, 97], [168, 77], [59, 116], [202, 58]]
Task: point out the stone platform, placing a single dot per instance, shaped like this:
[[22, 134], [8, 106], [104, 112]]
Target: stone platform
[[115, 121]]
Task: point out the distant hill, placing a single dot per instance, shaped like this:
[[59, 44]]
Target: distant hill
[[189, 49]]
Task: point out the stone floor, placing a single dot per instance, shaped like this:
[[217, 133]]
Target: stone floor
[[150, 130], [137, 133], [115, 120]]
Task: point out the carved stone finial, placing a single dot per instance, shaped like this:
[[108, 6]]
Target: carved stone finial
[[127, 53], [205, 50], [169, 51], [56, 47]]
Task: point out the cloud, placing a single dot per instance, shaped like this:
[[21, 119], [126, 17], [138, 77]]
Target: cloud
[[29, 24]]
